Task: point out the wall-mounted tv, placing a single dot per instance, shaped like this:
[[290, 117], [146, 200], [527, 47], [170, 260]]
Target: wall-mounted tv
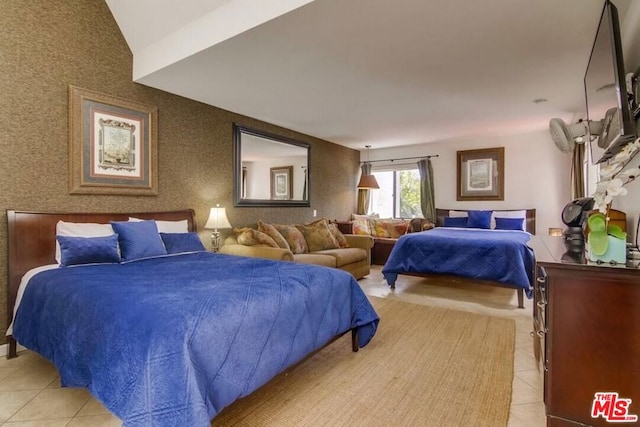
[[605, 89]]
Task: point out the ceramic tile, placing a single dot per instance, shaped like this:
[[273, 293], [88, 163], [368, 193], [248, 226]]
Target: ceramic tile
[[106, 420], [527, 415], [53, 403], [50, 422], [34, 375], [93, 407], [12, 401]]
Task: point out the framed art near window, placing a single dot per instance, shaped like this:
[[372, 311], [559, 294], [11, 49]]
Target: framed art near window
[[112, 145], [481, 174], [281, 183]]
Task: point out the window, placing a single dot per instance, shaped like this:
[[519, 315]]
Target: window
[[399, 194]]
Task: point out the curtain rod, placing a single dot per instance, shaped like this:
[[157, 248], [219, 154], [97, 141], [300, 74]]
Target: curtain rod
[[402, 158]]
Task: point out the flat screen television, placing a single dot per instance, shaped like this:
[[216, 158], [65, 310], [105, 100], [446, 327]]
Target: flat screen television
[[605, 88]]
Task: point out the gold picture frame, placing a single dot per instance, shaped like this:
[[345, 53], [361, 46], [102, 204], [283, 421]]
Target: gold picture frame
[[112, 145], [480, 174], [282, 183]]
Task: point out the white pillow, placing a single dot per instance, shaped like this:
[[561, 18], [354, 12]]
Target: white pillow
[[80, 229], [509, 214], [181, 226], [458, 214]]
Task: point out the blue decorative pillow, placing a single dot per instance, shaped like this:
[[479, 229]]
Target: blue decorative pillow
[[88, 250], [479, 219], [138, 239], [182, 242], [455, 221], [509, 223]]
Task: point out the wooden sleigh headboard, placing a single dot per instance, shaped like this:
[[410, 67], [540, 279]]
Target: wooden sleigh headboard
[[530, 217], [32, 237]]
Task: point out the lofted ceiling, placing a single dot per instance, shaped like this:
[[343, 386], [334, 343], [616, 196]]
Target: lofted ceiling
[[371, 72]]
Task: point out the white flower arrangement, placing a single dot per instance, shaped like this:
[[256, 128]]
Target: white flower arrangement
[[614, 176]]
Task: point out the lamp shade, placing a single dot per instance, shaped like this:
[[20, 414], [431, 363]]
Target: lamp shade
[[217, 219], [368, 182]]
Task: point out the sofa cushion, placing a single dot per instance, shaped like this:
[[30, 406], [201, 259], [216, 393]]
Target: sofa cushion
[[396, 227], [251, 237], [361, 227], [317, 258], [362, 224], [318, 236], [294, 238], [337, 234], [272, 232], [345, 256], [379, 227]]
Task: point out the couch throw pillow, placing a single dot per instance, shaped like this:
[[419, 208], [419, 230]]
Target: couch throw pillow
[[272, 232], [318, 236], [337, 234], [379, 227], [293, 236], [396, 227], [252, 237]]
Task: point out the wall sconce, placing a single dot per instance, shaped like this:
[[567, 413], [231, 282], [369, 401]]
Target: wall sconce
[[217, 219], [556, 232]]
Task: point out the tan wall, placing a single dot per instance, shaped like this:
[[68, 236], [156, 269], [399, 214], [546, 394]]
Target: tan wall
[[45, 46]]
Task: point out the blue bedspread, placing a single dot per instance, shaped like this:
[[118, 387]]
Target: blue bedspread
[[501, 256], [171, 341]]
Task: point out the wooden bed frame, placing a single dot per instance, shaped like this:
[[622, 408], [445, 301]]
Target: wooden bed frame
[[530, 225], [31, 243], [530, 217]]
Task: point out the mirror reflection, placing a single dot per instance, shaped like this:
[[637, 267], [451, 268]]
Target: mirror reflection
[[269, 170]]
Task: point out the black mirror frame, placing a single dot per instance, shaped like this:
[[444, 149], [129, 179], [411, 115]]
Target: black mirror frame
[[238, 201]]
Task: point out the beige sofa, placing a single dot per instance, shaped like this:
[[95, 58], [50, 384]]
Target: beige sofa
[[355, 259]]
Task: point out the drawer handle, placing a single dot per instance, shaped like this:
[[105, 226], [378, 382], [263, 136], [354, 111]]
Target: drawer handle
[[541, 304], [541, 280]]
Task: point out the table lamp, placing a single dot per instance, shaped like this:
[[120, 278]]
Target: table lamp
[[217, 219]]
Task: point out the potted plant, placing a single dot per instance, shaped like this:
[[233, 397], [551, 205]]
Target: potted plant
[[606, 242]]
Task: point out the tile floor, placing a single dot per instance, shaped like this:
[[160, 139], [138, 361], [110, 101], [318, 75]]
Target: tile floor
[[30, 394]]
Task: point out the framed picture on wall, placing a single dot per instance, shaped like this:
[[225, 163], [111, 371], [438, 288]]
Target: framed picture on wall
[[112, 145], [480, 174], [281, 183]]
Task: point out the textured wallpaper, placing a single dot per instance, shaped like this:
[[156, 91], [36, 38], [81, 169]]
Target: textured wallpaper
[[45, 46]]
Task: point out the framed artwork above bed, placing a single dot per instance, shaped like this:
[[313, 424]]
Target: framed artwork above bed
[[480, 174], [112, 145]]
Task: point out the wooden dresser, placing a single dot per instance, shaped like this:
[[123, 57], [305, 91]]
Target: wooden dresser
[[587, 336]]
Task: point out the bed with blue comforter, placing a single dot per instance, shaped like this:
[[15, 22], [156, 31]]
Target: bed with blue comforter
[[501, 256], [170, 341]]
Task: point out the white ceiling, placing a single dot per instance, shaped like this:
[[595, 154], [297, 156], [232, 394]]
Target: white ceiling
[[371, 72]]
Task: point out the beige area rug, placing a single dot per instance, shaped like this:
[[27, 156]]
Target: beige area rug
[[426, 366]]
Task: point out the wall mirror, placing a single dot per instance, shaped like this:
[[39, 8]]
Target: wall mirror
[[269, 170]]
